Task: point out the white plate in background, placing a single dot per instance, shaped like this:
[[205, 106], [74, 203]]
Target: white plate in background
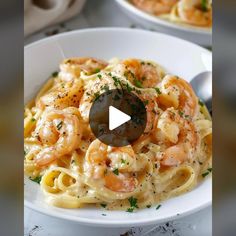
[[199, 35], [175, 55]]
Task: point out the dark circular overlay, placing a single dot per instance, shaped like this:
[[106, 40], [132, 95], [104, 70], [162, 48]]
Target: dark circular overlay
[[126, 102]]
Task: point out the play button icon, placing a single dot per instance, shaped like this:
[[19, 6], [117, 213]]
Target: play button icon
[[117, 117]]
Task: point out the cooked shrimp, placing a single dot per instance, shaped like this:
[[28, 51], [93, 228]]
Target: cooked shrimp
[[151, 111], [142, 74], [195, 12], [178, 93], [63, 94], [61, 131], [182, 136], [92, 90], [114, 166], [88, 65], [156, 7]]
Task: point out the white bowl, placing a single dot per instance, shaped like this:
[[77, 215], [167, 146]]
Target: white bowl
[[194, 34], [176, 55]]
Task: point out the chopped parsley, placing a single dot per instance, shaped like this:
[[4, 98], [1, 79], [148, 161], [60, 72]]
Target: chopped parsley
[[130, 209], [36, 179], [204, 5], [25, 152], [200, 103], [148, 206], [116, 81], [138, 83], [99, 76], [209, 170], [103, 205], [158, 91], [33, 119], [96, 96], [129, 88], [97, 70], [181, 113], [116, 171], [158, 207], [123, 161], [105, 87], [133, 204], [59, 125], [55, 74]]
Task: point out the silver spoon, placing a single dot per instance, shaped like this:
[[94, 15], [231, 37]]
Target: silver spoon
[[202, 85]]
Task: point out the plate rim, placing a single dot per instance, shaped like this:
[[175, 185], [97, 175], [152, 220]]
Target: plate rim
[[101, 222], [161, 22]]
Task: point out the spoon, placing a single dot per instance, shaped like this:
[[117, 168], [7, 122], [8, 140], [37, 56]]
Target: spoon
[[202, 85]]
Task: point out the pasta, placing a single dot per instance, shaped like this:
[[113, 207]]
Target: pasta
[[75, 169], [187, 12]]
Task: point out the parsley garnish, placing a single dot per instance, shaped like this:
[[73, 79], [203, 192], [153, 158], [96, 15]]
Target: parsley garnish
[[116, 81], [99, 76], [103, 205], [105, 87], [33, 119], [200, 103], [133, 202], [36, 179], [204, 5], [148, 206], [158, 207], [138, 83], [116, 171], [129, 88], [123, 161], [130, 209], [96, 96], [55, 74], [59, 125], [158, 91], [97, 70], [209, 170], [181, 113]]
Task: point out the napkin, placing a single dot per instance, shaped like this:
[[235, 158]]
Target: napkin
[[41, 13]]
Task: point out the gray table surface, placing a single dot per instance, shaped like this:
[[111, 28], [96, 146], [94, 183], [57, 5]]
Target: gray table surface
[[106, 13]]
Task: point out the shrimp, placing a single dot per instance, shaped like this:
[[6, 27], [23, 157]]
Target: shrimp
[[151, 111], [93, 89], [195, 13], [61, 95], [113, 165], [60, 132], [88, 65], [142, 74], [156, 7], [182, 136], [178, 93]]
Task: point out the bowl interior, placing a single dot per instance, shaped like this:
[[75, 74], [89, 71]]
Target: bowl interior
[[175, 55]]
